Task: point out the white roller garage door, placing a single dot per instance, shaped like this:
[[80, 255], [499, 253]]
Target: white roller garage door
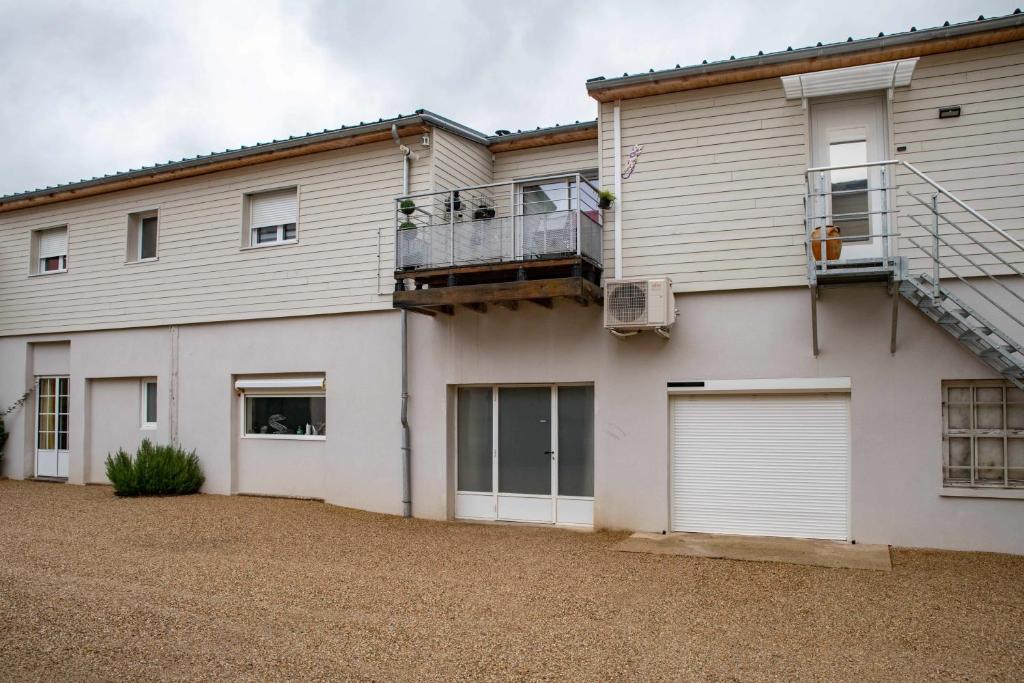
[[763, 465]]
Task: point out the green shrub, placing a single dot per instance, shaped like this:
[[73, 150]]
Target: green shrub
[[156, 470]]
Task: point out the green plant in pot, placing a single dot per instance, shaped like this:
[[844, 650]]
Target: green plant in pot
[[407, 207], [407, 225], [605, 199]]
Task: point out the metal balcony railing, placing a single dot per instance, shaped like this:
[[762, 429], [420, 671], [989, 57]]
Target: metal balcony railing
[[537, 218], [858, 200]]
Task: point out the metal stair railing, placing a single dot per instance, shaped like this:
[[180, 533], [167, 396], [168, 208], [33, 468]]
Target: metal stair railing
[[968, 256]]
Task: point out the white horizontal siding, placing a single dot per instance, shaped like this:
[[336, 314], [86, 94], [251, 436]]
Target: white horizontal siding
[[715, 201], [203, 274], [979, 156], [568, 157], [457, 162]]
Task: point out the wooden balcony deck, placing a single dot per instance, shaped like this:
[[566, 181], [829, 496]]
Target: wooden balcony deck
[[537, 281]]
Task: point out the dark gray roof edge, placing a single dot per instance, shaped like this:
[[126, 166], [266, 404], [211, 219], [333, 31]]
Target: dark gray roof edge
[[229, 154], [445, 123], [537, 132], [966, 28], [419, 116]]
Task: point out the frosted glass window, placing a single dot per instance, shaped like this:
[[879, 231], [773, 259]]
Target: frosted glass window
[[983, 433]]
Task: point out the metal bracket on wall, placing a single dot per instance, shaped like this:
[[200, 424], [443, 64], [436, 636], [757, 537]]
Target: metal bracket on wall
[[894, 293], [814, 319]]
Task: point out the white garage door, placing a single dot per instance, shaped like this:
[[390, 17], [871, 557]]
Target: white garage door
[[763, 465]]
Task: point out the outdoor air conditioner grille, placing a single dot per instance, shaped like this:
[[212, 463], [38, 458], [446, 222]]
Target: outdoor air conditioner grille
[[627, 303]]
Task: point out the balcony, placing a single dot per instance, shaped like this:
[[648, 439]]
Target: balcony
[[530, 240]]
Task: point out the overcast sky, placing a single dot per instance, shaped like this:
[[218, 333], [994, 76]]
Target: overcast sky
[[95, 87]]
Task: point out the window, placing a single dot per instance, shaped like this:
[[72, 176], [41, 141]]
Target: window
[[149, 404], [50, 250], [850, 209], [983, 434], [276, 408], [142, 236], [273, 217]]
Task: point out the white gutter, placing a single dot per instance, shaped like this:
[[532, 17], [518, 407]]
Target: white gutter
[[617, 169]]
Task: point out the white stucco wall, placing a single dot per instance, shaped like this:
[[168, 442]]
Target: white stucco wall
[[895, 401], [114, 420]]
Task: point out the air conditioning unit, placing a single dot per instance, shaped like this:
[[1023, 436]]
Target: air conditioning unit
[[632, 305]]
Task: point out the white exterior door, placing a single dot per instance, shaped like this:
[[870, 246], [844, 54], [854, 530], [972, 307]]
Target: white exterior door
[[845, 132], [52, 455], [525, 454], [761, 465]]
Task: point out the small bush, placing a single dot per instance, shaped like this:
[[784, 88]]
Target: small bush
[[156, 470]]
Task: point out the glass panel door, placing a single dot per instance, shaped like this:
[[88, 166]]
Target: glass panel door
[[474, 447], [524, 440], [52, 456], [851, 131], [525, 454], [576, 441], [546, 212]]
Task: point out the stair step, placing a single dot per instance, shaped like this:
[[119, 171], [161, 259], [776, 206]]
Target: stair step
[[998, 351], [955, 315], [974, 333]]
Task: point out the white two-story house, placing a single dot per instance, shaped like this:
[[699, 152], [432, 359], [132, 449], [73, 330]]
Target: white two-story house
[[412, 317]]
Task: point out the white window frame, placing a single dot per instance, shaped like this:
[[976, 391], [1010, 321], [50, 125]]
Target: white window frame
[[1004, 488], [133, 251], [293, 387], [144, 407], [36, 267], [249, 240]]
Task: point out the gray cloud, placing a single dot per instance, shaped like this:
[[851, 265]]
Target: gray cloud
[[93, 88]]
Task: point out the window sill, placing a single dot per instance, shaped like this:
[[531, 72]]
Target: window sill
[[148, 426], [48, 272], [283, 437], [140, 261], [269, 245], [981, 492]]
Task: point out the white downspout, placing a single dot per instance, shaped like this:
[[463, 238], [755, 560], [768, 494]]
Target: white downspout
[[617, 169], [407, 156]]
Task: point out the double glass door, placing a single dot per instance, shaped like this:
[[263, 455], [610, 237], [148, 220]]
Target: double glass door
[[52, 454], [526, 454]]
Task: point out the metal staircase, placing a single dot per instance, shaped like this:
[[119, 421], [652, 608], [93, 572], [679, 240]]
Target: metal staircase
[[965, 273], [992, 346]]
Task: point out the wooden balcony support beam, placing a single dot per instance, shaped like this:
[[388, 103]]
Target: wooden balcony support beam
[[541, 292]]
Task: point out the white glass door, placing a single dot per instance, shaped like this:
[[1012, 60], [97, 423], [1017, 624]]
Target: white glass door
[[52, 455], [851, 132], [525, 454]]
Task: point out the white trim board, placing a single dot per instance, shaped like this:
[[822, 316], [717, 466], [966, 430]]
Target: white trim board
[[778, 386]]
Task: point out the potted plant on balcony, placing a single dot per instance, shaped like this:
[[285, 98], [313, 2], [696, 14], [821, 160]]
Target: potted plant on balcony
[[484, 211], [605, 199], [453, 203], [833, 245], [407, 206], [410, 246]]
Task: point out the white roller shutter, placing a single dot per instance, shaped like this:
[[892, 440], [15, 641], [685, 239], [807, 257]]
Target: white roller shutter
[[761, 465], [279, 207], [53, 242]]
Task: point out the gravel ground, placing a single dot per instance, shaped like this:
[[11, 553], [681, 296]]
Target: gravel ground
[[213, 587]]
